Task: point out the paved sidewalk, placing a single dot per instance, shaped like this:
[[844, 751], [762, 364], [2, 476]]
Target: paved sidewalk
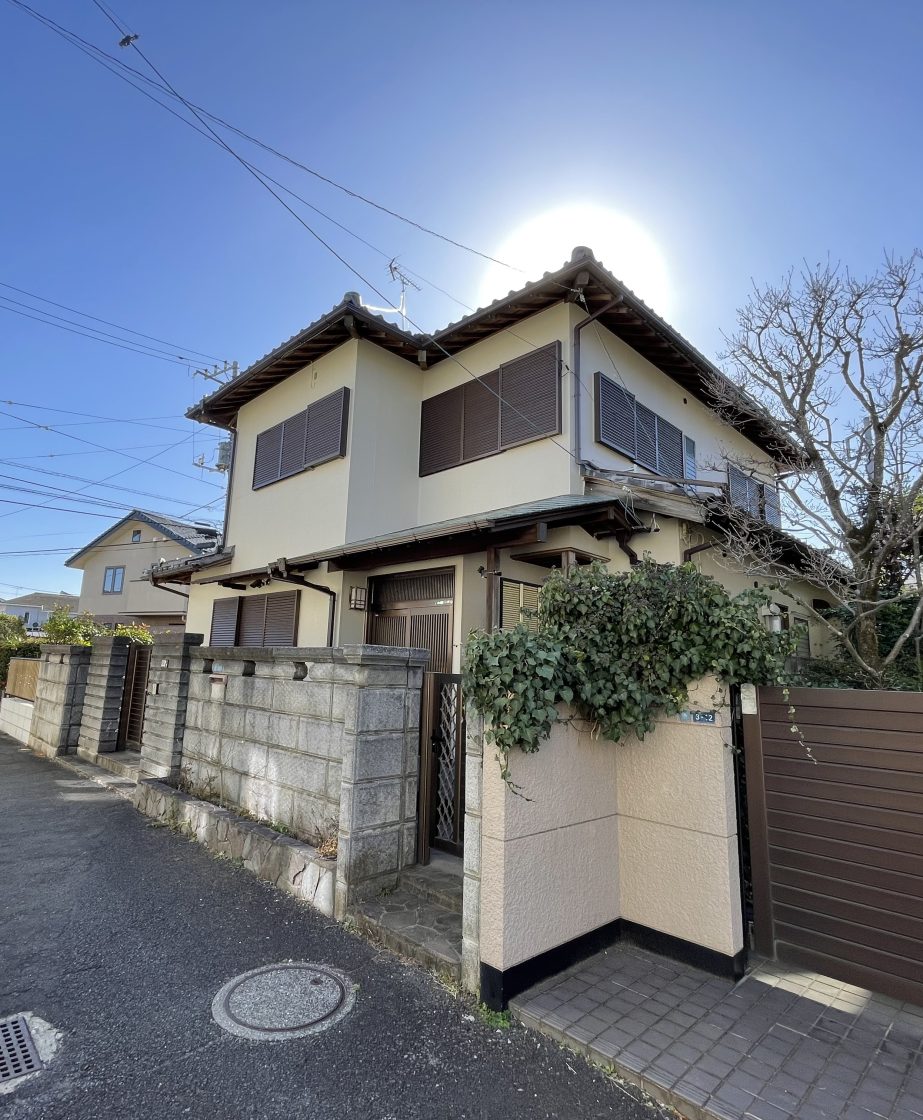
[[778, 1045], [119, 934]]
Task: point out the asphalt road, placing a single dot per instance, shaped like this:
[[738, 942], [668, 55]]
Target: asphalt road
[[119, 934]]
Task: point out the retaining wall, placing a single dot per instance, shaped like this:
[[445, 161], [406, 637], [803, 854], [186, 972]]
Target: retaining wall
[[16, 718], [59, 697]]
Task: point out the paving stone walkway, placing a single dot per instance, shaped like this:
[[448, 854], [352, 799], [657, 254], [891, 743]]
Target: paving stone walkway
[[779, 1045]]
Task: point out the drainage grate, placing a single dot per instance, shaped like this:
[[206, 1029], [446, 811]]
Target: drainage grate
[[18, 1055]]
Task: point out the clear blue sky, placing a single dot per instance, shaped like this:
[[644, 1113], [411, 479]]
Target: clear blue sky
[[742, 137]]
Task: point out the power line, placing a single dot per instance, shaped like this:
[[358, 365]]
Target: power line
[[142, 421], [48, 22], [93, 337], [101, 447], [90, 482], [108, 322], [20, 459], [346, 264]]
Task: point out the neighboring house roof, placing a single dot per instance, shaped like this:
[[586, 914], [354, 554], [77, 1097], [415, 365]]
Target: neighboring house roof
[[582, 279], [197, 538], [43, 600]]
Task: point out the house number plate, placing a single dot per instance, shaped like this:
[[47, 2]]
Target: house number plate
[[698, 717]]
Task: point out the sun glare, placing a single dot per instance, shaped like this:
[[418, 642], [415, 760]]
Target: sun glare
[[545, 242]]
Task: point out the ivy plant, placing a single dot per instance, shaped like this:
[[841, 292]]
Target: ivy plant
[[620, 648]]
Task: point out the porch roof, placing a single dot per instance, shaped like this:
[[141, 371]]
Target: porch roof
[[511, 526]]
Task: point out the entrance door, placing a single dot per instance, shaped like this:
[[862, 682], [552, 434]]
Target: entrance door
[[416, 609], [131, 720]]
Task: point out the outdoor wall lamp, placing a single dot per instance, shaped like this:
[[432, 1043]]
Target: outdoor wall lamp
[[358, 598]]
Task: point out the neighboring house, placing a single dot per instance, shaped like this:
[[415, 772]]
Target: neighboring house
[[115, 587], [399, 489], [35, 607]]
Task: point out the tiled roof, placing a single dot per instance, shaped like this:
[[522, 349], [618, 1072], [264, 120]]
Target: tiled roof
[[44, 600], [197, 538]]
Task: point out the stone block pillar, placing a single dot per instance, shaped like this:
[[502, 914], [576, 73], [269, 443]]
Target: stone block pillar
[[379, 690], [165, 707], [102, 704], [471, 896], [59, 696]]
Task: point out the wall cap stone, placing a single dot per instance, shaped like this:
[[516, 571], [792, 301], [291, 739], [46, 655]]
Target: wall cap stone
[[349, 654]]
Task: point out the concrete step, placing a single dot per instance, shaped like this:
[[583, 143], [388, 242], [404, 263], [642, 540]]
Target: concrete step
[[416, 928], [125, 764], [438, 882]]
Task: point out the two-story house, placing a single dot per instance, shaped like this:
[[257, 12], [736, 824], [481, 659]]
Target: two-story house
[[115, 588], [35, 607], [403, 489]]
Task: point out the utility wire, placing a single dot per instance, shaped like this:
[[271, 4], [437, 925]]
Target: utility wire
[[101, 447], [85, 334], [109, 323], [89, 481], [346, 264], [143, 421]]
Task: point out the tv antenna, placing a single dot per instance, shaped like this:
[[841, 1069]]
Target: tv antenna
[[221, 374], [399, 276]]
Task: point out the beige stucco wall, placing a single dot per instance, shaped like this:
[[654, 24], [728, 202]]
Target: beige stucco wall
[[522, 474], [715, 440], [307, 511], [640, 830], [138, 596]]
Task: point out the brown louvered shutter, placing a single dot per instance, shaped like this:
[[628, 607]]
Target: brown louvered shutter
[[669, 449], [267, 462], [530, 391], [615, 417], [646, 434], [281, 619], [252, 620], [293, 439], [481, 417], [441, 431], [519, 604], [224, 621], [327, 421]]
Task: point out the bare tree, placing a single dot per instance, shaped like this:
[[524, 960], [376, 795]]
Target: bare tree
[[835, 366]]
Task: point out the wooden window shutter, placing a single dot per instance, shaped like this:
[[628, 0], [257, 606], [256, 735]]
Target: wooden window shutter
[[530, 388], [327, 421], [224, 621], [646, 435], [481, 426], [252, 620], [772, 506], [281, 623], [293, 439], [689, 465], [518, 604], [441, 431], [268, 458], [669, 449], [615, 417]]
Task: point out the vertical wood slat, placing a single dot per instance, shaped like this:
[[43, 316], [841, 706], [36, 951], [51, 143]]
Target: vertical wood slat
[[759, 834], [224, 621]]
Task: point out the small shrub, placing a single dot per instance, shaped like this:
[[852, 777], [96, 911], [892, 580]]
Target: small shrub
[[12, 630], [80, 630]]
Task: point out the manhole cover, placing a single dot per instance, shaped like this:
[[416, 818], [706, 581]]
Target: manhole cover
[[18, 1055], [287, 1000]]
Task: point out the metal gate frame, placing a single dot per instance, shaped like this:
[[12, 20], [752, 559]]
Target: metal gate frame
[[134, 698], [441, 725]]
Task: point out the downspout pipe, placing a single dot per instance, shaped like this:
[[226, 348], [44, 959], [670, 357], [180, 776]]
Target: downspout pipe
[[575, 410]]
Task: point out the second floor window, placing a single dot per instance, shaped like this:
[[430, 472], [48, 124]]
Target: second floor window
[[759, 499], [135, 536], [627, 426], [303, 441], [517, 403], [113, 580]]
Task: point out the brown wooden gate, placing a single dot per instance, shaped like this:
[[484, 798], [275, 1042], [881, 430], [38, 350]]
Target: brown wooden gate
[[134, 694], [836, 833], [415, 609]]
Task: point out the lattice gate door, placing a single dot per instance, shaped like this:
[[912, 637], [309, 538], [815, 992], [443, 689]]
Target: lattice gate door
[[442, 765]]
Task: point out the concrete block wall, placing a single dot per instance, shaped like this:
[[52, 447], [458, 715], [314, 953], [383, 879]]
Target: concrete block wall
[[380, 689], [58, 709], [166, 705], [282, 733], [102, 702]]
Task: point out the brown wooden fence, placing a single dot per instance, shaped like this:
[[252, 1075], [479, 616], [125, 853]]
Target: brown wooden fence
[[22, 677], [836, 833]]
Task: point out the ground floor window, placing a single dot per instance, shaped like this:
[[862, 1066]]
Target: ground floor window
[[255, 620]]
